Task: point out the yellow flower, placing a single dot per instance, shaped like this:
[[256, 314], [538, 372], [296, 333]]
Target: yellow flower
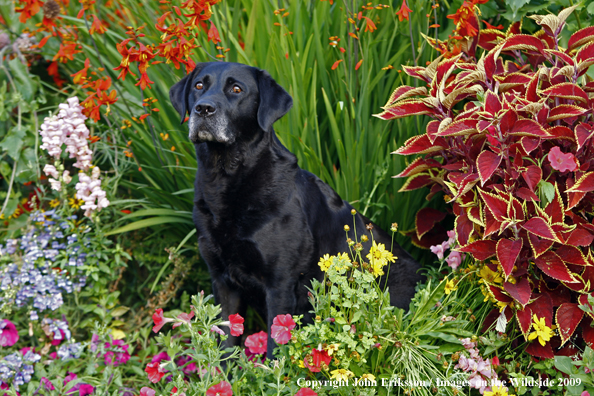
[[497, 391], [325, 262], [75, 203], [370, 377], [490, 276], [450, 286], [301, 364], [542, 331], [379, 257], [54, 202], [341, 374], [332, 348]]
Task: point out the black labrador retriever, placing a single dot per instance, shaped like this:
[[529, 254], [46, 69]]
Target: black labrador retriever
[[263, 223]]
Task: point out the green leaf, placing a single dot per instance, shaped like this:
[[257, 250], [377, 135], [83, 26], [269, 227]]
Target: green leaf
[[356, 369], [153, 221], [546, 192], [23, 82], [13, 141], [590, 9], [563, 364], [514, 6]]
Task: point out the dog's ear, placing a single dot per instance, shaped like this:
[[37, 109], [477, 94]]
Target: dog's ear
[[179, 93], [275, 102]]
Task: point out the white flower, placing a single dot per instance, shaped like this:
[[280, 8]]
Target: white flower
[[66, 177], [55, 184], [50, 170]]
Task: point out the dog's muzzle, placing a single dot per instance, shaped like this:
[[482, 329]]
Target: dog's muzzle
[[207, 124]]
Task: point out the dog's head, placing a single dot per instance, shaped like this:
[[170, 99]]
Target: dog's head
[[225, 100]]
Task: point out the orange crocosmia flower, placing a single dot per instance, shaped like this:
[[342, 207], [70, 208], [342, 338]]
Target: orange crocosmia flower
[[66, 52], [93, 139], [81, 76], [358, 65], [369, 25], [489, 26], [97, 26], [403, 12], [353, 35], [335, 65], [213, 34], [52, 70], [30, 8], [144, 81], [465, 18], [127, 57]]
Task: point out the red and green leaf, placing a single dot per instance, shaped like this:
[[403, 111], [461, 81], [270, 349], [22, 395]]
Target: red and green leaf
[[507, 254], [481, 250], [584, 184], [581, 37], [568, 317], [540, 227], [524, 318], [566, 91], [486, 163], [553, 266], [417, 181], [520, 291], [426, 219], [405, 108]]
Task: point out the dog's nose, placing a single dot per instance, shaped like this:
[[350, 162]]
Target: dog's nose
[[205, 109]]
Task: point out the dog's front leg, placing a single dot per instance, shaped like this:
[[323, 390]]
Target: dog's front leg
[[231, 303], [279, 301]]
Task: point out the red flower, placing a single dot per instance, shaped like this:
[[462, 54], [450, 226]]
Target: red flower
[[335, 65], [146, 391], [235, 324], [154, 371], [281, 328], [495, 361], [8, 333], [97, 26], [561, 162], [159, 320], [306, 392], [213, 34], [403, 12], [256, 343], [315, 359], [66, 52], [220, 389], [30, 8], [80, 77]]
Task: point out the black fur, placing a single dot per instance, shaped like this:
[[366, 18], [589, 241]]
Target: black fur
[[263, 223]]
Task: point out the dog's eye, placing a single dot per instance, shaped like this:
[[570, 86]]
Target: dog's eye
[[199, 85], [237, 89]]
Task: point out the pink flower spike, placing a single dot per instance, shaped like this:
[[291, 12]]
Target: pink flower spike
[[256, 343], [306, 392], [561, 162], [160, 320], [438, 250], [8, 333], [184, 318], [146, 391], [281, 328], [220, 389]]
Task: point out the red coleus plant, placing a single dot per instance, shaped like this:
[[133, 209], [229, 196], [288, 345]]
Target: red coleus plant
[[510, 145]]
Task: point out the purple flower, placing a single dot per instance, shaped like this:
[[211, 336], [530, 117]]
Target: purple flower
[[47, 384], [451, 237], [160, 356], [118, 353], [8, 333]]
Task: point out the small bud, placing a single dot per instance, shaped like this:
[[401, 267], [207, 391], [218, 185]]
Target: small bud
[[328, 283], [364, 238], [369, 227], [353, 212], [355, 264], [318, 318], [358, 247], [351, 279], [394, 227], [350, 242], [347, 228]]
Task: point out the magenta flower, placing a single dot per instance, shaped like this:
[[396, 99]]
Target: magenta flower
[[47, 384], [281, 328], [561, 162], [118, 355], [256, 343], [184, 318], [160, 357], [8, 333]]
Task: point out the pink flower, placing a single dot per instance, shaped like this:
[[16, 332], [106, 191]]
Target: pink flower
[[495, 361], [155, 372], [221, 389], [561, 162], [585, 393], [281, 328], [454, 260], [451, 237], [159, 320], [8, 333], [160, 357], [467, 343], [184, 318], [439, 250], [306, 392], [47, 384], [189, 368], [256, 343], [235, 324], [146, 391]]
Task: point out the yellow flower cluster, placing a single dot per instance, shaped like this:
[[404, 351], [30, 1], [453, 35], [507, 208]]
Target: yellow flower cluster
[[379, 257], [340, 262], [541, 330]]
